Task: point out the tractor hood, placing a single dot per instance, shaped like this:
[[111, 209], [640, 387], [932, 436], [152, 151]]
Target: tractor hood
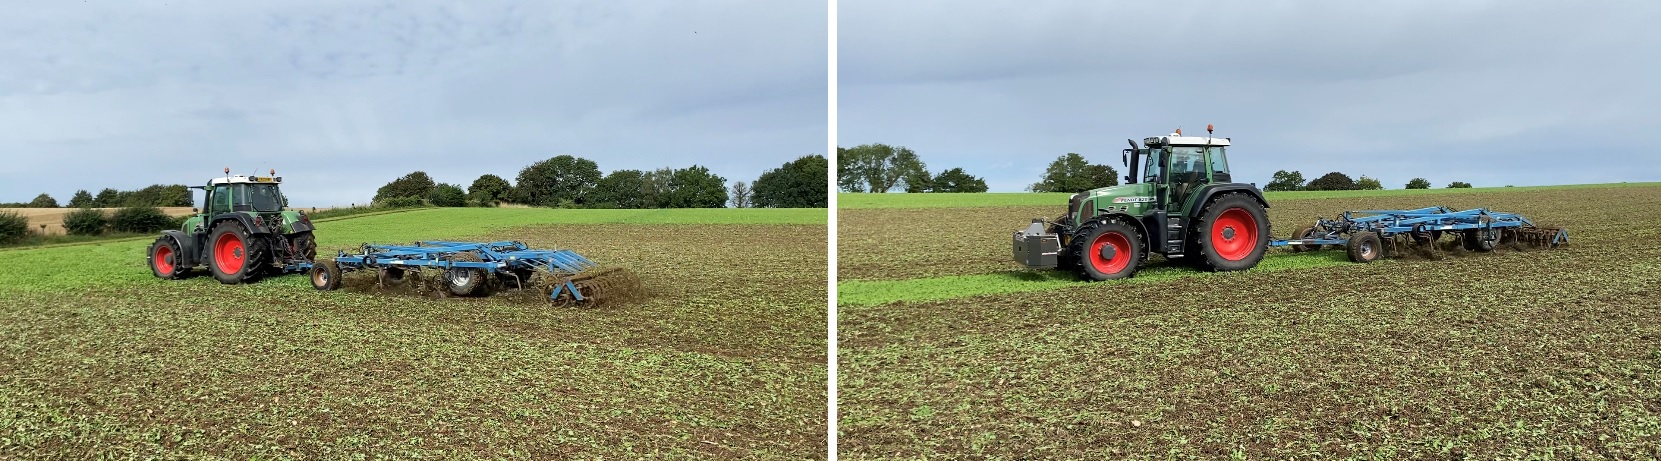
[[1130, 199]]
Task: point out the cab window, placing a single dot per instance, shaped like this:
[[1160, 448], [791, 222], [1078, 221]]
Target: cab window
[[220, 200], [1219, 162]]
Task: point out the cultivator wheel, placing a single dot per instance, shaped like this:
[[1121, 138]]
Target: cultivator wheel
[[466, 282]]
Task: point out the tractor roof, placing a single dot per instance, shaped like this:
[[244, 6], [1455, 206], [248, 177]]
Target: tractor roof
[[240, 179], [1174, 140]]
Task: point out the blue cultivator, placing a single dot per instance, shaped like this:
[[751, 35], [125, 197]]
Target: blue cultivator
[[1366, 233], [479, 269]]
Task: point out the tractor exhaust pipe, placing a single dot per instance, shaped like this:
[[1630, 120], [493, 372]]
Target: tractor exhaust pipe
[[1130, 173]]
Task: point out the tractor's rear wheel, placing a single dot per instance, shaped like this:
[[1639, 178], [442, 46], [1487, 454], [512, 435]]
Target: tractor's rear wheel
[[1233, 233], [1107, 250], [304, 246], [166, 261], [465, 281], [325, 276], [234, 255]]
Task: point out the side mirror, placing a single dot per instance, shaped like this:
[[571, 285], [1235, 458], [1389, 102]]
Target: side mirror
[[193, 210], [1124, 158]]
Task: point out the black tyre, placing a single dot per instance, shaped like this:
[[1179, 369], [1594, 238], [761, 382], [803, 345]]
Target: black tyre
[[1365, 247], [1107, 250], [325, 276], [1232, 233], [1477, 240], [304, 246], [1305, 232], [166, 260], [392, 276], [1064, 261], [234, 256], [465, 281]]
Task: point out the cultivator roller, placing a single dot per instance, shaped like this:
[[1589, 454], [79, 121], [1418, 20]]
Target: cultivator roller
[[1369, 233], [562, 277]]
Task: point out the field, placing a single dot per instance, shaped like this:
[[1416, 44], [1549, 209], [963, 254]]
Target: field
[[52, 218], [948, 349], [724, 359]]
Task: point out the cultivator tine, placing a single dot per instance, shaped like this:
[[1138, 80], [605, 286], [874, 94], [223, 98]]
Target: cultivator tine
[[1542, 236], [591, 287]]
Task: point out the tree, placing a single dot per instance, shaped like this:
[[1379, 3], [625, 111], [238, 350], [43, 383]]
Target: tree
[[696, 187], [623, 189], [1452, 185], [1071, 173], [560, 181], [1332, 181], [1418, 183], [489, 190], [140, 220], [918, 181], [957, 180], [800, 183], [879, 167], [655, 193], [85, 221], [107, 198], [415, 185], [43, 201], [82, 199], [158, 195], [847, 179], [449, 195], [1285, 181], [1366, 183], [740, 195]]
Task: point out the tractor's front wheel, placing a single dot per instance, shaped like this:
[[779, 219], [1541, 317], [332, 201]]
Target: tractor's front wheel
[[1233, 233], [1107, 251], [234, 255], [166, 261]]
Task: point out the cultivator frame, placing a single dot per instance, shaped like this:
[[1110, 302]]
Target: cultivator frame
[[475, 268], [1481, 229]]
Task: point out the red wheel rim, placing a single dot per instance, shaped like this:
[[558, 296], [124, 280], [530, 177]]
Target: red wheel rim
[[164, 259], [1234, 235], [228, 253], [1121, 253]]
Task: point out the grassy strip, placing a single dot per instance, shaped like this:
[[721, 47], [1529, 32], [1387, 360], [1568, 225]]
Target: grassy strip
[[1006, 199], [878, 292], [59, 241]]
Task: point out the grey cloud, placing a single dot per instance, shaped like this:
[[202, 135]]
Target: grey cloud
[[341, 97]]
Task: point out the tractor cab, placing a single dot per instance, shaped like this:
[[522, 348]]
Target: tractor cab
[[1177, 166]]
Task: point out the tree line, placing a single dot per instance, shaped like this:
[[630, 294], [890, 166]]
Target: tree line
[[567, 181], [1293, 181], [880, 168], [158, 195]]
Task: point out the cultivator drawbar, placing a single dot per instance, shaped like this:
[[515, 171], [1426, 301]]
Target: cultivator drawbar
[[1369, 234], [480, 269]]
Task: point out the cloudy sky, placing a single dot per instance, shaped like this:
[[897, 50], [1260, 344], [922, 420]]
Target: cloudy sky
[[1487, 92], [342, 96]]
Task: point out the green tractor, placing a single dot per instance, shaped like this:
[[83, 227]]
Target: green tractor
[[241, 233], [1184, 205]]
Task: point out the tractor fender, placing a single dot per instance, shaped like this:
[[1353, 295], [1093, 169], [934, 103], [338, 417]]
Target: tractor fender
[[189, 248], [1116, 216], [1212, 191], [302, 226], [246, 221]]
